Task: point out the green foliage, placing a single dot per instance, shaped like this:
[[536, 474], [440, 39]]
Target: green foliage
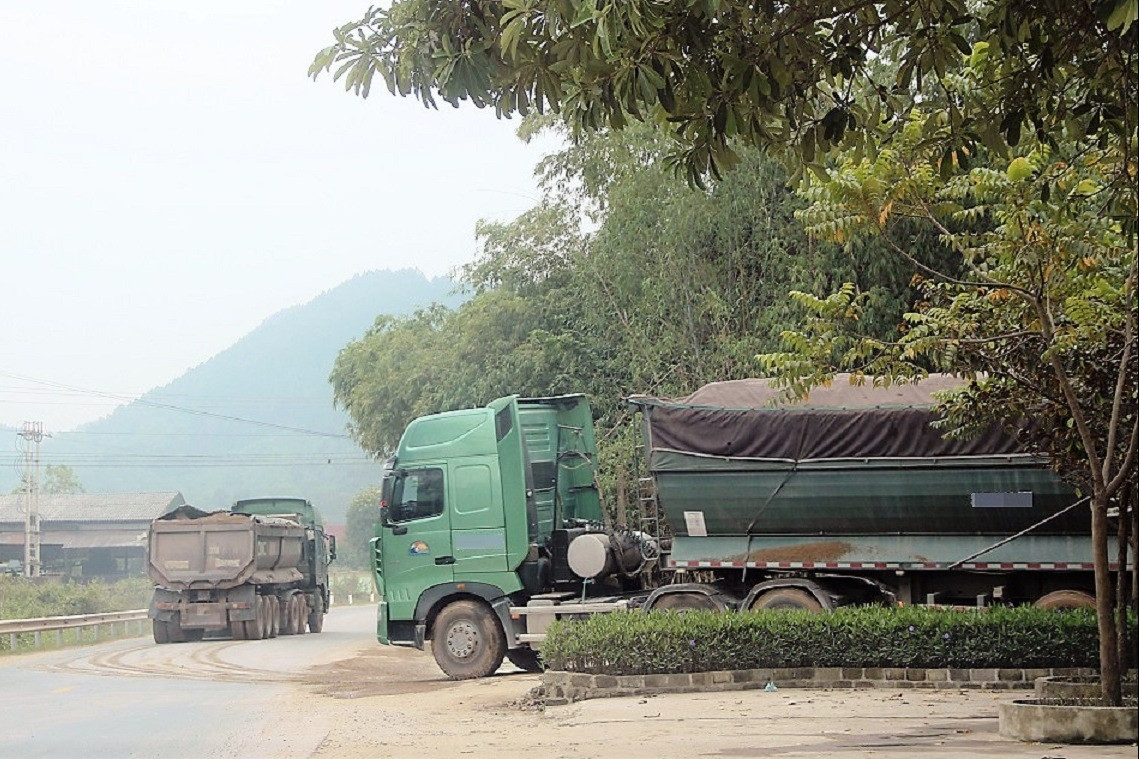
[[363, 516], [24, 599], [668, 288], [670, 642], [724, 73], [60, 478]]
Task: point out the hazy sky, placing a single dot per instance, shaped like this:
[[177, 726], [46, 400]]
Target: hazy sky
[[170, 177]]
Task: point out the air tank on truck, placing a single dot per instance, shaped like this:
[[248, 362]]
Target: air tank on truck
[[255, 571], [492, 524]]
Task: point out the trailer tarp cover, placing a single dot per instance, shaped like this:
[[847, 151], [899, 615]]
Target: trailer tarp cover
[[751, 419]]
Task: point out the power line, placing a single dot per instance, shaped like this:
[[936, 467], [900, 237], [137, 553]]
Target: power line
[[171, 407]]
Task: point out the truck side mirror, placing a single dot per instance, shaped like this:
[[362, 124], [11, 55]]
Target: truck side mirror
[[331, 547]]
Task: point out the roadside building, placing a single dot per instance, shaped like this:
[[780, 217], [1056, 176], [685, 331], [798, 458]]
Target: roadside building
[[85, 535]]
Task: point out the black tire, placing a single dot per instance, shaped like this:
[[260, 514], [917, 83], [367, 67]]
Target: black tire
[[787, 598], [526, 659], [274, 616], [161, 632], [682, 602], [1066, 599], [467, 641], [315, 615], [289, 616], [255, 628], [237, 630]]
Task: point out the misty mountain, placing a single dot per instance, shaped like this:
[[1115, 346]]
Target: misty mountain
[[255, 420]]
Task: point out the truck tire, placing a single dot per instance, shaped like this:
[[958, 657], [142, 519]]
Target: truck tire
[[682, 602], [288, 616], [274, 616], [467, 641], [526, 659], [1066, 599], [315, 615], [255, 628], [161, 632], [237, 630], [787, 598]]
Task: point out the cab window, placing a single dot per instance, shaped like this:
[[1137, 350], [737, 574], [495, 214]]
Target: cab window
[[417, 495]]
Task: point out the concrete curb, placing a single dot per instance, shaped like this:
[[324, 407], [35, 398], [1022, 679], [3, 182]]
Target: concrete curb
[[564, 687]]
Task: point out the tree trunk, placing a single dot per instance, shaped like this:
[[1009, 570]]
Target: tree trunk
[[1122, 593], [1105, 601]]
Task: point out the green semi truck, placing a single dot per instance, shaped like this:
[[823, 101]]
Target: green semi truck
[[492, 525]]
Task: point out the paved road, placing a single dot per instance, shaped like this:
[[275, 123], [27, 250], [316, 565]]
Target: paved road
[[132, 698], [340, 695]]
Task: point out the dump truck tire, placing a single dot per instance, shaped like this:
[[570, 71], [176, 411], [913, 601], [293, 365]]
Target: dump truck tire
[[787, 598], [682, 602], [274, 616], [315, 615], [161, 632], [1066, 599], [467, 641]]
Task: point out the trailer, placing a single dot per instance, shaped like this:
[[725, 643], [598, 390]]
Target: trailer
[[492, 526], [255, 571]]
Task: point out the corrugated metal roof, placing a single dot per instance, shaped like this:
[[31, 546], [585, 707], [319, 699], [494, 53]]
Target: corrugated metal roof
[[92, 507]]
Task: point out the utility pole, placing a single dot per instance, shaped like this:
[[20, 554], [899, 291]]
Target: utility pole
[[33, 433]]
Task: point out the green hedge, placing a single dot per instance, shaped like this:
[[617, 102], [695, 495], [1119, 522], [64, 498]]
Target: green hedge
[[667, 642]]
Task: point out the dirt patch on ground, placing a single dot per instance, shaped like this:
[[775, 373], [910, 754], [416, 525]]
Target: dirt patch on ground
[[378, 671]]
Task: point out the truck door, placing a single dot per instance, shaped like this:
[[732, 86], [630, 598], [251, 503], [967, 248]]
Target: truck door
[[416, 539]]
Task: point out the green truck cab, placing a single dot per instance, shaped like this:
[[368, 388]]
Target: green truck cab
[[471, 500]]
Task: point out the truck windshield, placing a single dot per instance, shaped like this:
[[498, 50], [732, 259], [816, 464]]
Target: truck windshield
[[417, 495]]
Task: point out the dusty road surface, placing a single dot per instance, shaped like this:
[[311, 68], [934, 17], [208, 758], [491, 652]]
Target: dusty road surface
[[340, 695]]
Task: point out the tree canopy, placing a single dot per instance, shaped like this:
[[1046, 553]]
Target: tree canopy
[[725, 72]]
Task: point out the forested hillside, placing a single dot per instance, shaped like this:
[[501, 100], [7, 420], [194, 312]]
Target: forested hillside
[[256, 419]]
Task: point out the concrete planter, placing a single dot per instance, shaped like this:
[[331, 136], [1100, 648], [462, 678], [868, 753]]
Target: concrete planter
[[1069, 687], [1068, 721]]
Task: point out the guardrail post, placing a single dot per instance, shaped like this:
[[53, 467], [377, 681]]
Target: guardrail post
[[38, 638], [59, 638]]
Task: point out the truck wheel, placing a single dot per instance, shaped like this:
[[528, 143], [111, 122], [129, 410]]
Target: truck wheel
[[274, 616], [525, 659], [682, 602], [1066, 599], [161, 632], [255, 628], [467, 641], [787, 598], [315, 615], [288, 612]]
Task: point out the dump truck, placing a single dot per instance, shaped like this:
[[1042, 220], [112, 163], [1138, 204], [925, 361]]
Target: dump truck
[[255, 571], [492, 526]]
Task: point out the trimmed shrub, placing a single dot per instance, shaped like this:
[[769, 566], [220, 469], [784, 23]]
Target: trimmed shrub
[[668, 642]]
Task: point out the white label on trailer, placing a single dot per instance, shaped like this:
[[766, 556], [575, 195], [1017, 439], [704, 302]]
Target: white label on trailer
[[694, 521]]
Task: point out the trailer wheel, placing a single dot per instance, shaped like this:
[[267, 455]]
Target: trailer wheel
[[526, 659], [237, 630], [255, 628], [682, 602], [161, 632], [1066, 599], [787, 598], [467, 641], [274, 616], [315, 615]]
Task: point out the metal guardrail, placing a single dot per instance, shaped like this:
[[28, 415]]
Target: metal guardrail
[[13, 628]]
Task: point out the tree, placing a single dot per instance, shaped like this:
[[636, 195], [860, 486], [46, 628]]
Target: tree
[[1042, 323], [58, 478], [726, 72], [363, 517]]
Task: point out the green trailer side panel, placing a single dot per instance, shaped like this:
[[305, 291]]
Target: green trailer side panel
[[954, 497]]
